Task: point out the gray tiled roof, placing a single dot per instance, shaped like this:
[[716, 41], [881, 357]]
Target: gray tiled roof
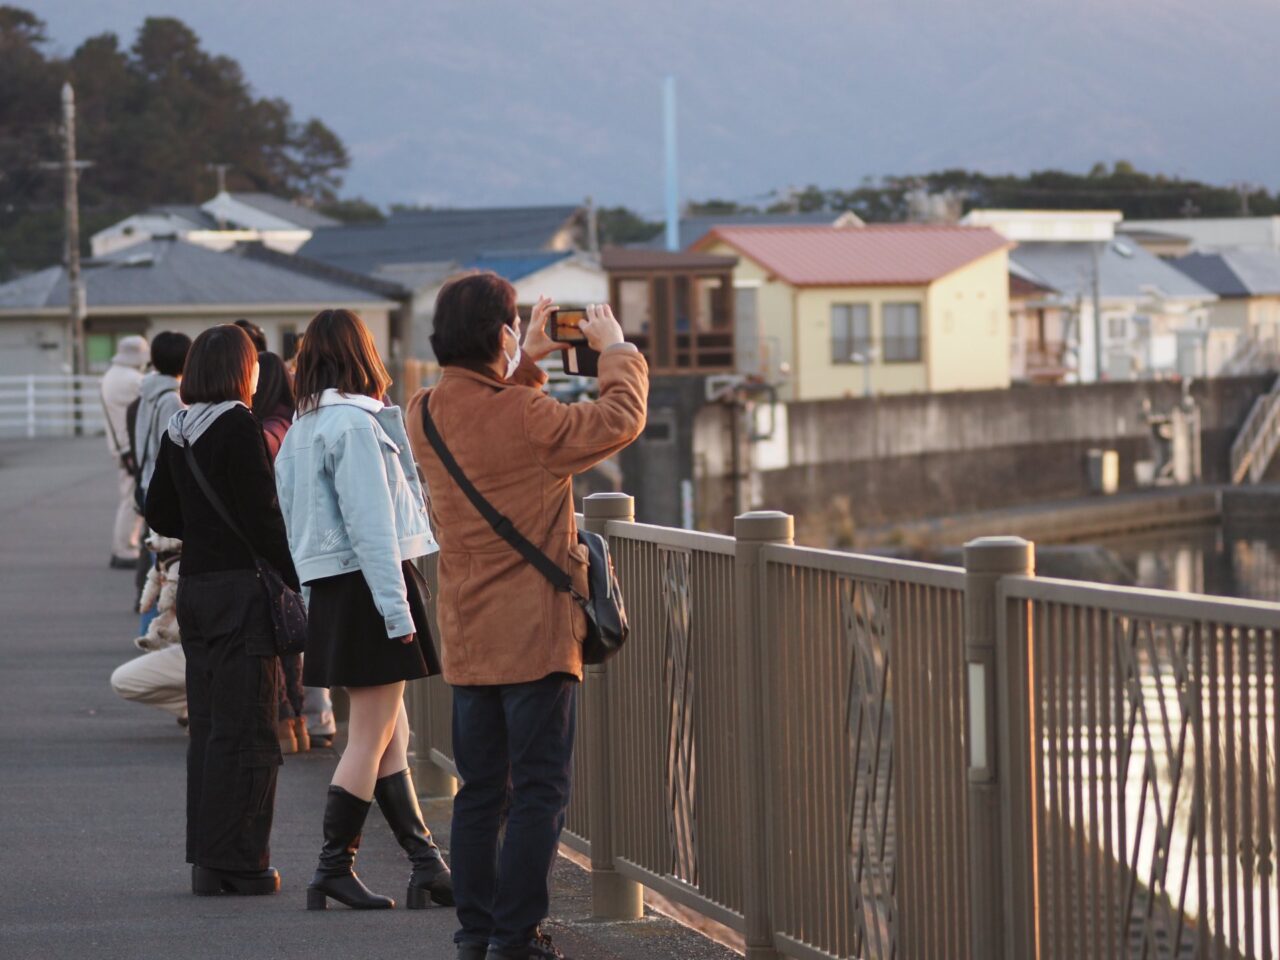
[[175, 273], [292, 212], [427, 236], [1234, 273], [1125, 270]]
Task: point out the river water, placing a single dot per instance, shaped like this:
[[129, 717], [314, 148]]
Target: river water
[[1232, 560]]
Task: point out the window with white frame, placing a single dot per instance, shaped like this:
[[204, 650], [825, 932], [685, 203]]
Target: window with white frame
[[850, 332], [1118, 327], [902, 332]]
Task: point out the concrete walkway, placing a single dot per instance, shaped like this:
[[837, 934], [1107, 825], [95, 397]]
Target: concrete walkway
[[92, 788]]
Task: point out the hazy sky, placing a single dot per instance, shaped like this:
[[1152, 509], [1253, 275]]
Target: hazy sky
[[522, 101]]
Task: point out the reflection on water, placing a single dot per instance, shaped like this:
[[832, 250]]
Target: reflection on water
[[1236, 560]]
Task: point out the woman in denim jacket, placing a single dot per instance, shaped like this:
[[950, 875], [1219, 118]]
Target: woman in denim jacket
[[354, 509]]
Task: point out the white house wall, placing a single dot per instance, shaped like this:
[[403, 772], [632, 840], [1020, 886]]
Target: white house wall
[[567, 281], [36, 346]]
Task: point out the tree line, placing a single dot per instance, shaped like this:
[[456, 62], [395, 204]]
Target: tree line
[[153, 118], [156, 116]]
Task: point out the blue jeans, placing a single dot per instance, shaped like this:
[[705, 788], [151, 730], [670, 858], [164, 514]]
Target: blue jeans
[[513, 746]]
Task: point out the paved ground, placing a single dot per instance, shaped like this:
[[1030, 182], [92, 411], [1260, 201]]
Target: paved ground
[[91, 788]]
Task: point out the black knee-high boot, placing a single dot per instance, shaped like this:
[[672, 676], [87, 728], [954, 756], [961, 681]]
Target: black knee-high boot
[[398, 802], [335, 877]]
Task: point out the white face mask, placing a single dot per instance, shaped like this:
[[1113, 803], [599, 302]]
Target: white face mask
[[513, 361]]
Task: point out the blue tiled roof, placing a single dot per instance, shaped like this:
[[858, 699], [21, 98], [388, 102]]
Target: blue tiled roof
[[517, 265]]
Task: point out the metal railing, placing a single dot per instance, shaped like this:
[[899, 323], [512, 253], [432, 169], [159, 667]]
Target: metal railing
[[1256, 443], [50, 405], [1150, 770], [842, 756]]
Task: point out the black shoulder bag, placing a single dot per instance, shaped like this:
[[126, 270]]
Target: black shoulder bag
[[288, 612], [607, 626]]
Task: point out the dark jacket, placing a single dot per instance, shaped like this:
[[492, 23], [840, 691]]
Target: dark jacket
[[233, 457]]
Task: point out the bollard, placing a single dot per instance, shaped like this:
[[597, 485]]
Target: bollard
[[993, 916], [754, 531], [613, 896]]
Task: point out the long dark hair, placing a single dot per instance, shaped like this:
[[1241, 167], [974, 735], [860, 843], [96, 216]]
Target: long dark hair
[[274, 388], [338, 351]]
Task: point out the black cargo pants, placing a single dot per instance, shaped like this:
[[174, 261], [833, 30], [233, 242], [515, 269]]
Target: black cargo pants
[[233, 678]]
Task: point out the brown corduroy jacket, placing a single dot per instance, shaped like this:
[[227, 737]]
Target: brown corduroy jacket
[[500, 620]]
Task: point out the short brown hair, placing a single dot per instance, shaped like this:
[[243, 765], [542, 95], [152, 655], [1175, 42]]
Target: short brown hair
[[338, 352], [219, 367]]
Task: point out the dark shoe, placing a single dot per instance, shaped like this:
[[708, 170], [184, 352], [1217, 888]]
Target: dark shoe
[[539, 947], [430, 880], [207, 882], [321, 741], [124, 563], [335, 879], [472, 951]]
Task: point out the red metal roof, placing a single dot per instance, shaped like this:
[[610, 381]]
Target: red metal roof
[[874, 255]]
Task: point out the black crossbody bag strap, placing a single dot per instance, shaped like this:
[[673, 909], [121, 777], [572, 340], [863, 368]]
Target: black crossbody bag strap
[[216, 502], [501, 525]]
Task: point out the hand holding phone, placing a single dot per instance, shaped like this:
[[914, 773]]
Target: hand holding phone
[[595, 326]]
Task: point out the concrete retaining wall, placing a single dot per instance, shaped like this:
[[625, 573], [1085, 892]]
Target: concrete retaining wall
[[843, 465]]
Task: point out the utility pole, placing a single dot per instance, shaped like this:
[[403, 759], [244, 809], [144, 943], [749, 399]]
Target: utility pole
[[75, 288], [220, 171]]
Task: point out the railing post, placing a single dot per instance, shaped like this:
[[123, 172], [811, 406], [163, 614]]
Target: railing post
[[31, 408], [754, 531], [987, 735], [613, 896]]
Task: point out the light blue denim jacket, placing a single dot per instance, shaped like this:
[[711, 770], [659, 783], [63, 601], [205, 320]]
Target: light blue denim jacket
[[351, 499]]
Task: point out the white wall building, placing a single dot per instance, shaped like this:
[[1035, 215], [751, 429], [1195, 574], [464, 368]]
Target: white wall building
[[219, 224]]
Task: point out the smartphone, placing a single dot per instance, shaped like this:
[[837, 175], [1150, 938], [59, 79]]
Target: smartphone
[[564, 323]]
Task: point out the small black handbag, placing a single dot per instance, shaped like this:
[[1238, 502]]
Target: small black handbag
[[607, 626], [288, 612]]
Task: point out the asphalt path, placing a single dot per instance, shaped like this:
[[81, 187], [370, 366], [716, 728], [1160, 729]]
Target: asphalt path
[[92, 788]]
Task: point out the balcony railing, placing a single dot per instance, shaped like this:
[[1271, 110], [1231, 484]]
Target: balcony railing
[[845, 756]]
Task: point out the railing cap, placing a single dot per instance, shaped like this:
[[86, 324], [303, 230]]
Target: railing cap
[[609, 506], [766, 525], [1000, 555]]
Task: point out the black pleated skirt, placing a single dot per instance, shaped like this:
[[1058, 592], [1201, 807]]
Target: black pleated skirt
[[347, 642]]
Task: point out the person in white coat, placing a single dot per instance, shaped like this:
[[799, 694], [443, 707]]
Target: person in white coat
[[121, 385]]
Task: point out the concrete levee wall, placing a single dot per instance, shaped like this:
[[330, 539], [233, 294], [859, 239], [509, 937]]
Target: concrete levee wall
[[841, 465]]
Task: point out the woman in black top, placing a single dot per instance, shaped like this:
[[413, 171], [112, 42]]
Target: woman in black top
[[227, 636], [273, 405]]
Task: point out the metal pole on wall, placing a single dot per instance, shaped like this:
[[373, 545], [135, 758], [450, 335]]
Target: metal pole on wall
[[1097, 313], [75, 289], [669, 142]]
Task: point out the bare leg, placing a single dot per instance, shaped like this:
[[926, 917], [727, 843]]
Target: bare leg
[[376, 713], [396, 755]]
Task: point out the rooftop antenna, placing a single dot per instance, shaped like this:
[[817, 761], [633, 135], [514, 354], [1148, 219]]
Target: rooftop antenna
[[673, 190]]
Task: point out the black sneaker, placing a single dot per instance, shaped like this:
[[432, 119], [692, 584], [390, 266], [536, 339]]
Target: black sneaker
[[472, 951], [539, 947]]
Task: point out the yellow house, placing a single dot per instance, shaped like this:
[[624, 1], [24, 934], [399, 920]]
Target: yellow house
[[886, 308]]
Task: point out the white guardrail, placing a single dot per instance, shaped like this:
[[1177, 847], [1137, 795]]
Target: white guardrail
[[55, 405]]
